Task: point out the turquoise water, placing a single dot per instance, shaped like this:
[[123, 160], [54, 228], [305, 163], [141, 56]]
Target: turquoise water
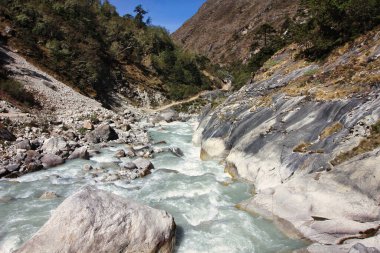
[[198, 194]]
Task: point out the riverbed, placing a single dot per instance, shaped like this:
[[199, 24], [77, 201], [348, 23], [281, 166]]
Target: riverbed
[[199, 195]]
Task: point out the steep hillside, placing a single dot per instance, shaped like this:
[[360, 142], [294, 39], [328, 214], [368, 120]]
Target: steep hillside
[[223, 30], [89, 46], [307, 136]]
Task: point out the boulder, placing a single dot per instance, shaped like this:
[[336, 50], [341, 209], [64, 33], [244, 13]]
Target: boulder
[[102, 133], [50, 160], [120, 153], [49, 195], [24, 144], [34, 166], [54, 145], [169, 115], [13, 167], [129, 166], [79, 224], [176, 151], [144, 166], [6, 135], [3, 172], [81, 153], [87, 167], [129, 151]]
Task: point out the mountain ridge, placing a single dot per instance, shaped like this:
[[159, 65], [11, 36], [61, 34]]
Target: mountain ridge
[[223, 30]]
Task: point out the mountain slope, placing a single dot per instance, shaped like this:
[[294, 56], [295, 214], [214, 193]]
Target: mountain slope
[[88, 45], [223, 29]]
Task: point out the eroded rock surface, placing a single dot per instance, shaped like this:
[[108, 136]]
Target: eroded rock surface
[[310, 151]]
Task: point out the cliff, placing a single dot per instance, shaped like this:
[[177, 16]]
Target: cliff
[[307, 136]]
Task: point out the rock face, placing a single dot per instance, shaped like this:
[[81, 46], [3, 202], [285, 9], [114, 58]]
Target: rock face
[[223, 30], [97, 221], [102, 133], [299, 145]]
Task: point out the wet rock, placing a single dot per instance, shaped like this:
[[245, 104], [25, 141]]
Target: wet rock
[[102, 133], [3, 172], [50, 160], [176, 151], [129, 166], [120, 153], [6, 199], [129, 151], [87, 167], [111, 178], [54, 145], [144, 166], [360, 248], [24, 144], [34, 166], [80, 153], [79, 225], [49, 195]]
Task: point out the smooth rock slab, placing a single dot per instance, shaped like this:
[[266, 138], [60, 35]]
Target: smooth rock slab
[[93, 220]]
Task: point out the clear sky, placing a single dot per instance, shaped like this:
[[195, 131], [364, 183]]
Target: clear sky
[[170, 14]]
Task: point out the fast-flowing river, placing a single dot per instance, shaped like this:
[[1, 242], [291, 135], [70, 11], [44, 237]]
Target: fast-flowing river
[[198, 194]]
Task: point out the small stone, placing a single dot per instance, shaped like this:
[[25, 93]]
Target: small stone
[[88, 125], [120, 153], [87, 167], [49, 195]]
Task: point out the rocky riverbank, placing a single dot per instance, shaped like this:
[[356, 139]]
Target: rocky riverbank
[[69, 126], [307, 136]]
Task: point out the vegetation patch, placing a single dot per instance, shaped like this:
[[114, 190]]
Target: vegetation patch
[[370, 143], [302, 147], [88, 44], [330, 130]]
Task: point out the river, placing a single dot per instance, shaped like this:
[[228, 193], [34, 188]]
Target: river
[[197, 193]]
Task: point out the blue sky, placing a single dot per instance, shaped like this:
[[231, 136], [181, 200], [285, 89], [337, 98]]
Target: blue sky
[[170, 14]]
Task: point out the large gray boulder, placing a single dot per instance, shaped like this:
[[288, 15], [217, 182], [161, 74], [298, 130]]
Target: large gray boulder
[[54, 145], [102, 133], [93, 220], [50, 160]]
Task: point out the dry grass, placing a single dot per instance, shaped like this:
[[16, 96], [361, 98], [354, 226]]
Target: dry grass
[[302, 148], [330, 130], [370, 143]]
